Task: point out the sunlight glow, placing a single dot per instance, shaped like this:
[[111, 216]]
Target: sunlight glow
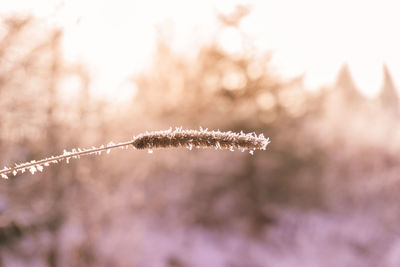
[[309, 37], [317, 37]]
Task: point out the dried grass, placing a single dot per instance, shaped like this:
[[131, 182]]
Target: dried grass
[[158, 139]]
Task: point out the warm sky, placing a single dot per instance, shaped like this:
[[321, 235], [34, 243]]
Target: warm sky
[[311, 37]]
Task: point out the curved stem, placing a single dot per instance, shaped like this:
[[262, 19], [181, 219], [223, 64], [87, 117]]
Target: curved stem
[[67, 155], [158, 139]]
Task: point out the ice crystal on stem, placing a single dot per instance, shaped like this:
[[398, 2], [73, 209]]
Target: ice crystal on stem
[[170, 138]]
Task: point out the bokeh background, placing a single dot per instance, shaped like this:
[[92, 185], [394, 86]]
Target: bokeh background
[[324, 193]]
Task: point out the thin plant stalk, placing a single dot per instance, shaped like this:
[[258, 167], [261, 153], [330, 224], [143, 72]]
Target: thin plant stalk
[[158, 139]]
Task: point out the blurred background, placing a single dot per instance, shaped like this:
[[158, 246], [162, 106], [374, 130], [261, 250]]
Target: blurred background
[[318, 78]]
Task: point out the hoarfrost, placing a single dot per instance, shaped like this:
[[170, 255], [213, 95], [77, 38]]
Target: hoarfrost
[[32, 169]]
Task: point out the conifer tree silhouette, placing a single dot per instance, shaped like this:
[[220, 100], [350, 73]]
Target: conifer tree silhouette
[[347, 87], [388, 97]]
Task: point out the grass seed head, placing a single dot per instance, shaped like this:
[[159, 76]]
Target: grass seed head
[[190, 139]]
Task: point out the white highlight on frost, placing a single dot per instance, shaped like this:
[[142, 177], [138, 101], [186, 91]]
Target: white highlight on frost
[[34, 166], [32, 169]]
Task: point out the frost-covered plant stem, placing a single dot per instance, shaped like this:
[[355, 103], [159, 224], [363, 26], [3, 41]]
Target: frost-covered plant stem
[[158, 139]]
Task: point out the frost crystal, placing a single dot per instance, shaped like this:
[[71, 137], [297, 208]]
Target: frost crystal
[[32, 169], [178, 137]]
